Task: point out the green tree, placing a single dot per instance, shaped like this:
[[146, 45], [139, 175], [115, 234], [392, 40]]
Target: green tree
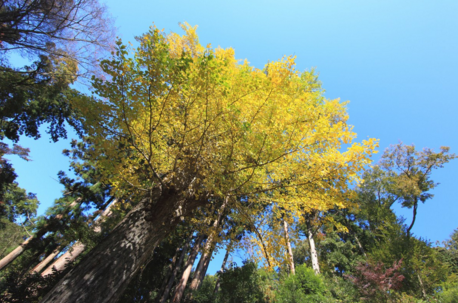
[[413, 171]]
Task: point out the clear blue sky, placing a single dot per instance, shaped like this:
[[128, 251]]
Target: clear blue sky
[[396, 61]]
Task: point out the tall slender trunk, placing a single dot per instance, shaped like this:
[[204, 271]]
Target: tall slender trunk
[[359, 245], [172, 266], [415, 206], [290, 251], [26, 244], [223, 266], [313, 252], [70, 255], [172, 278], [179, 290], [208, 250], [423, 292], [199, 276], [46, 260], [105, 272]]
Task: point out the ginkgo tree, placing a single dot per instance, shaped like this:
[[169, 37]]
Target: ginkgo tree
[[183, 125]]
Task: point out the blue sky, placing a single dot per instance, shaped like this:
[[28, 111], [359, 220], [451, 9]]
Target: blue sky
[[395, 61]]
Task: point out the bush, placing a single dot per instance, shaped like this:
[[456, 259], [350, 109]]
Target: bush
[[304, 286]]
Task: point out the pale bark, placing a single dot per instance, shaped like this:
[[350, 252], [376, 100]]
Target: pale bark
[[70, 255], [105, 272], [290, 251], [208, 250], [423, 292], [179, 289], [313, 252], [223, 267], [45, 261], [25, 245], [172, 278]]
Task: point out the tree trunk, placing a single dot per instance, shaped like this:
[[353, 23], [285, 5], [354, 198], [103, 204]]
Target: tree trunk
[[313, 253], [206, 254], [179, 290], [45, 261], [25, 245], [199, 276], [171, 267], [105, 272], [223, 266], [15, 253], [290, 251], [415, 206], [172, 278], [70, 255]]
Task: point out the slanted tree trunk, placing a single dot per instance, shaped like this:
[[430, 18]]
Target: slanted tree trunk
[[208, 250], [290, 251], [70, 255], [172, 266], [172, 278], [179, 289], [415, 206], [46, 260], [105, 272], [26, 244], [203, 264], [223, 266]]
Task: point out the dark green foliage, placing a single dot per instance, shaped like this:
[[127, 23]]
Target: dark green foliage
[[305, 286], [205, 294], [242, 284]]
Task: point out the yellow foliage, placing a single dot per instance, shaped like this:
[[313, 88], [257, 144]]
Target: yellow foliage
[[179, 115]]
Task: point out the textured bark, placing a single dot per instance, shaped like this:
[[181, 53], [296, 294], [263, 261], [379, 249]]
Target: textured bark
[[290, 251], [209, 245], [179, 290], [70, 255], [45, 261], [26, 244], [223, 267], [105, 272], [172, 278]]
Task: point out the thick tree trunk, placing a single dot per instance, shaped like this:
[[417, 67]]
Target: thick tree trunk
[[179, 290], [45, 261], [172, 278], [313, 252], [105, 272], [290, 251], [70, 255], [223, 266], [25, 245]]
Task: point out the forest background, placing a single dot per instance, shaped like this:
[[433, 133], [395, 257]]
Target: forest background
[[395, 62]]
